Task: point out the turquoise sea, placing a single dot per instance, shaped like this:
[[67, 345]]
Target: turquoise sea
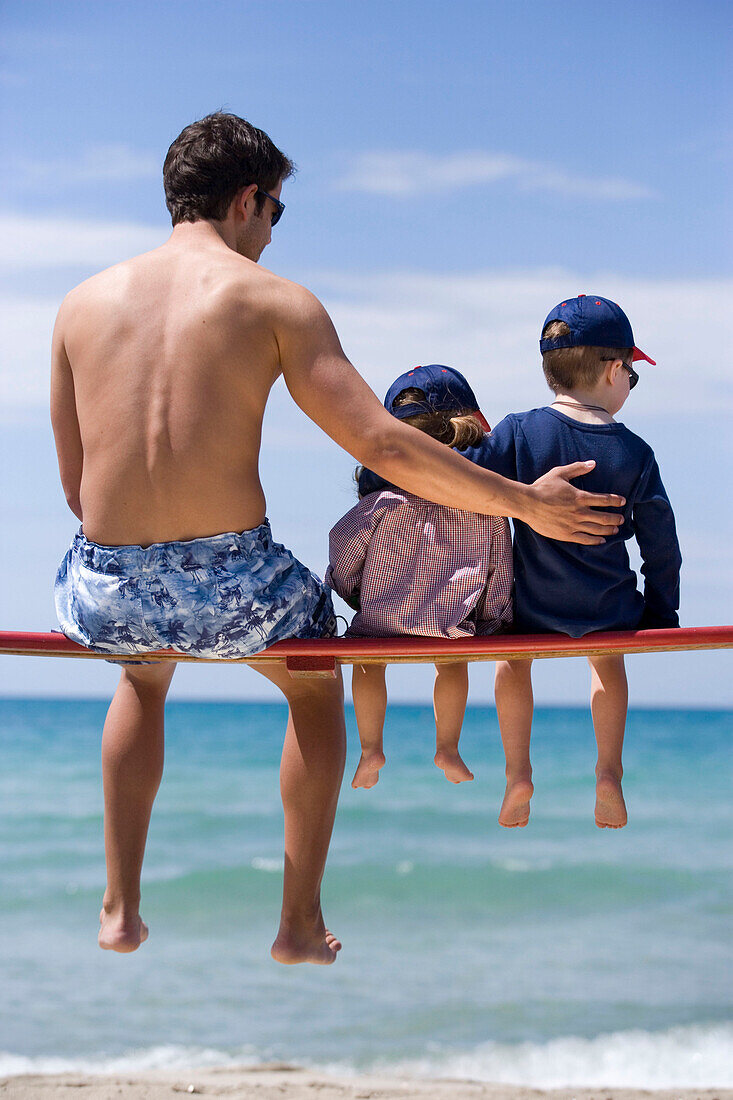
[[554, 955]]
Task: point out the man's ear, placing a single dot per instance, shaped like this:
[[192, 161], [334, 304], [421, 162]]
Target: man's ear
[[244, 202]]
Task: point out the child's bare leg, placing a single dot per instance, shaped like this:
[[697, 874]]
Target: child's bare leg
[[369, 692], [609, 700], [514, 708], [132, 766], [311, 771], [449, 703]]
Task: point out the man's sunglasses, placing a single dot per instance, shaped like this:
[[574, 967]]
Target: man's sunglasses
[[279, 206], [633, 376]]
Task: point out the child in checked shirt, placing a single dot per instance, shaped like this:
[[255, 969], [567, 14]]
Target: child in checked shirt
[[411, 567]]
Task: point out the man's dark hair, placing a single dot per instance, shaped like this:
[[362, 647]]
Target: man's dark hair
[[212, 160], [569, 368]]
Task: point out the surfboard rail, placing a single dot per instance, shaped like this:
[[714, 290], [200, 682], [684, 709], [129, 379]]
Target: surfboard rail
[[321, 656]]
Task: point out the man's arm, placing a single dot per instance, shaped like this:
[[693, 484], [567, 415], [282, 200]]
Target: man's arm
[[329, 390], [65, 421]]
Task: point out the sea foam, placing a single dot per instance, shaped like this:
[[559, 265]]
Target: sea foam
[[698, 1056]]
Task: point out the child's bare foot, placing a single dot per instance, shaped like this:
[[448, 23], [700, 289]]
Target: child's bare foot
[[451, 764], [121, 932], [514, 811], [312, 942], [367, 772], [610, 805]]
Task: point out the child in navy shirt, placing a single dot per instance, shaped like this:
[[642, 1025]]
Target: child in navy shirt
[[587, 350]]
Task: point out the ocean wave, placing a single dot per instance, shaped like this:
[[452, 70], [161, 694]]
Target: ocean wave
[[136, 1061], [696, 1056], [272, 866]]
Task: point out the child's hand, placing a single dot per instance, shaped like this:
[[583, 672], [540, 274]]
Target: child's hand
[[560, 511]]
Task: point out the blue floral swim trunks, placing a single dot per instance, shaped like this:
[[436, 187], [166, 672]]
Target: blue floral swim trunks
[[230, 595]]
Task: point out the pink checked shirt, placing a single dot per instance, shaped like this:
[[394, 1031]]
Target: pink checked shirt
[[421, 568]]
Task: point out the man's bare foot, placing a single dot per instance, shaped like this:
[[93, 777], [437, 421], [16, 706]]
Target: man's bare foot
[[367, 772], [121, 933], [451, 764], [514, 812], [301, 944], [610, 805]]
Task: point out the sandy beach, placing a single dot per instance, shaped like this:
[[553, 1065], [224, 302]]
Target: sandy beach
[[282, 1082]]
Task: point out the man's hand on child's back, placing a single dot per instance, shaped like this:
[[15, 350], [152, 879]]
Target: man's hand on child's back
[[559, 510]]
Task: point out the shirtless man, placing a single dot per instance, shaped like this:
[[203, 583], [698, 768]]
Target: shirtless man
[[162, 366]]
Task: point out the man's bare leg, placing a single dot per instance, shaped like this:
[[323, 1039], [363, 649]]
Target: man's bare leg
[[132, 766], [310, 779], [514, 708], [609, 700], [369, 692], [449, 704]]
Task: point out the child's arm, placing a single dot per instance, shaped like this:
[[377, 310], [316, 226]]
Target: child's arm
[[656, 535], [348, 543], [496, 602]]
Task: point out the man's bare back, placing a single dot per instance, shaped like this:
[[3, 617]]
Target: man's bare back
[[173, 357]]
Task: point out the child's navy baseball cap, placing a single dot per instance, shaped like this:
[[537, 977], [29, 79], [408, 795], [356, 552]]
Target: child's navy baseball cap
[[445, 389], [593, 322]]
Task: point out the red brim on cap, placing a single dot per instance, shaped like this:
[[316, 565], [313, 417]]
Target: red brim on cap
[[482, 420], [638, 354]]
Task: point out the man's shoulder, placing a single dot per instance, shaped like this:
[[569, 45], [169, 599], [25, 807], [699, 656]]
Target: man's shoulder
[[81, 298], [298, 303], [252, 282], [86, 289], [110, 281]]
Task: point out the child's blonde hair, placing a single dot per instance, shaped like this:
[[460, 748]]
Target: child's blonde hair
[[570, 368], [459, 430]]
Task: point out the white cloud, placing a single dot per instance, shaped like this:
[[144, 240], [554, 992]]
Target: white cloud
[[26, 324], [411, 173], [487, 324], [100, 163], [31, 242]]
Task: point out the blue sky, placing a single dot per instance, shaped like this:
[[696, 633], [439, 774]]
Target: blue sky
[[461, 168]]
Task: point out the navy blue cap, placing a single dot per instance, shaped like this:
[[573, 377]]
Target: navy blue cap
[[445, 389], [593, 322]]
